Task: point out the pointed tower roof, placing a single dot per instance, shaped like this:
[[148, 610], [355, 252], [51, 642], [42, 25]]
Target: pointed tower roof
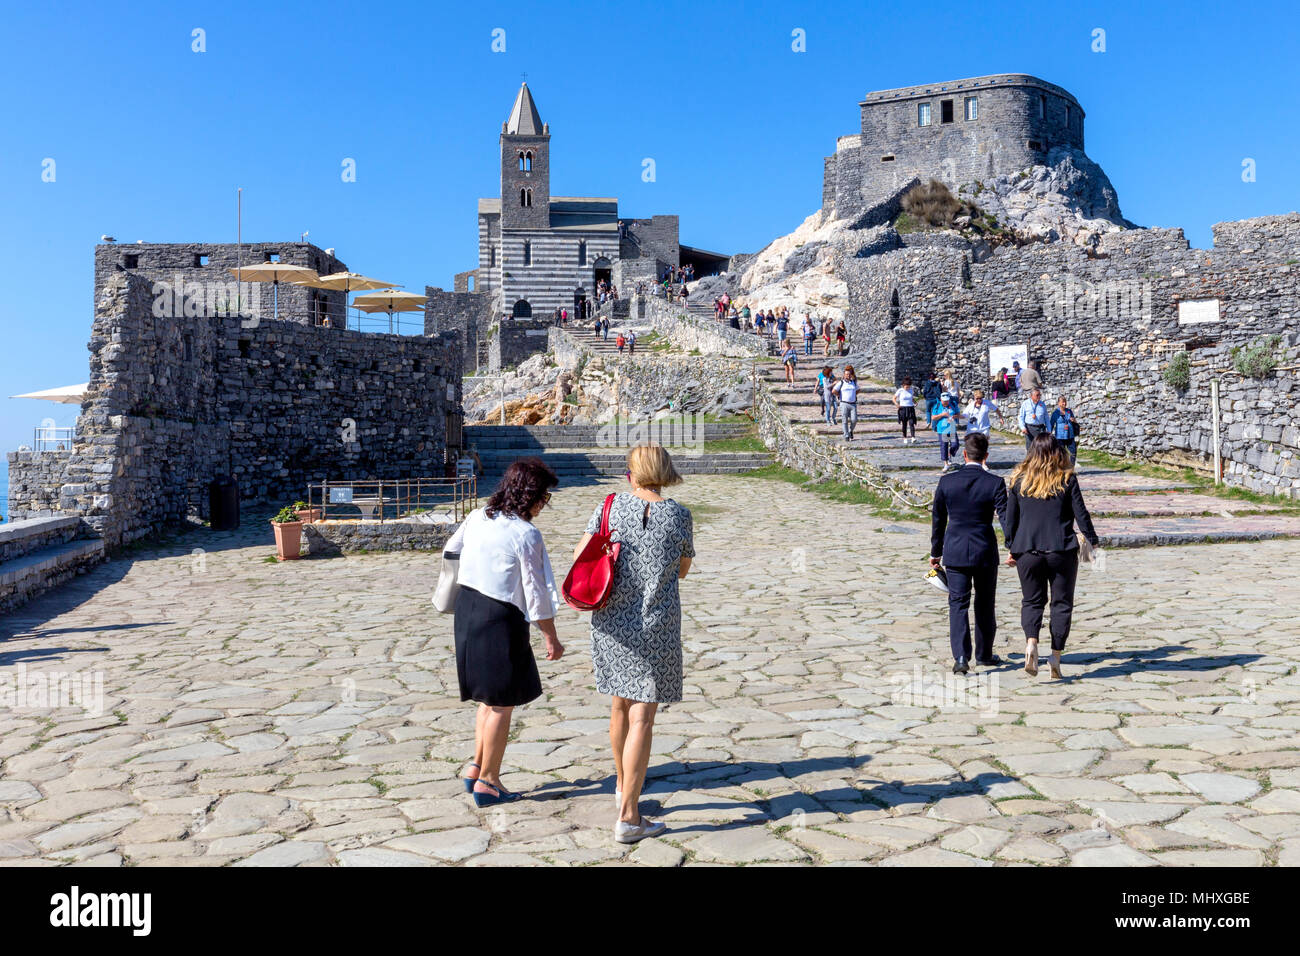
[[524, 119]]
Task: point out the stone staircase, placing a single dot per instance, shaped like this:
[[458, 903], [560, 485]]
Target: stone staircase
[[1128, 509], [581, 453]]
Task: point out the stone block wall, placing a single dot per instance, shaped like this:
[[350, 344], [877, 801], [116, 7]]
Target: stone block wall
[[174, 403]]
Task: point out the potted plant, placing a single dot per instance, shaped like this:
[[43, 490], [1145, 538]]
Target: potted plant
[[306, 513], [288, 535]]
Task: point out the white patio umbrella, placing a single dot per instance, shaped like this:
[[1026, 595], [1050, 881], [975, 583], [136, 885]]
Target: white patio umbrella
[[64, 395], [275, 273]]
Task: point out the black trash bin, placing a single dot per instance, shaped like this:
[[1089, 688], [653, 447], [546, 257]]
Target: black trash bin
[[223, 503]]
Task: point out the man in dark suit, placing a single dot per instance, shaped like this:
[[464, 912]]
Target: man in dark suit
[[962, 539]]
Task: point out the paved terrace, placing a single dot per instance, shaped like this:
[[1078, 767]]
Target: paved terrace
[[306, 714]]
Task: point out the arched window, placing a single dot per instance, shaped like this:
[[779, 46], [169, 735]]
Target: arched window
[[521, 160], [526, 198], [528, 253], [528, 161], [582, 252]]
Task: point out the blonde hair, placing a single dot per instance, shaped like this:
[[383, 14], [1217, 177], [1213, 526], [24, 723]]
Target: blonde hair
[[652, 467], [1044, 471], [978, 393]]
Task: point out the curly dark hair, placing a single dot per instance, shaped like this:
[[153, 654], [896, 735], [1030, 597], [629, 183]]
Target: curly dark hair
[[525, 483]]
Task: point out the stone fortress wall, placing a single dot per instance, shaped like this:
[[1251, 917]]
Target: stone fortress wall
[[977, 128], [174, 402]]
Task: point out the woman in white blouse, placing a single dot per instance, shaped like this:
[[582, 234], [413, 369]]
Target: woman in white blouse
[[506, 583]]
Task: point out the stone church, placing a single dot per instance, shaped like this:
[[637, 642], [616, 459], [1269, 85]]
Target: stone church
[[539, 251]]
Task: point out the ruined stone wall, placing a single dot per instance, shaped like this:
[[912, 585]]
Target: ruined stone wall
[[515, 340], [466, 314], [174, 403], [1103, 326]]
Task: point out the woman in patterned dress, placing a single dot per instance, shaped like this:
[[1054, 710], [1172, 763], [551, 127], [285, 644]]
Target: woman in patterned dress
[[636, 638]]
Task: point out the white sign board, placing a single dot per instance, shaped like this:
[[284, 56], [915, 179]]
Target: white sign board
[[340, 496], [1195, 311], [1002, 357]]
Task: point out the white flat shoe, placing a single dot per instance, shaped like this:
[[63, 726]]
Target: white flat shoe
[[632, 832]]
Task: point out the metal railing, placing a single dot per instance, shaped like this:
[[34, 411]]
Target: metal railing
[[53, 437], [429, 500]]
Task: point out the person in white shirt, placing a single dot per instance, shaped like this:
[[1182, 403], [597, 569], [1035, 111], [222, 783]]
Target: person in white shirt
[[978, 412], [905, 400], [505, 582], [846, 389]]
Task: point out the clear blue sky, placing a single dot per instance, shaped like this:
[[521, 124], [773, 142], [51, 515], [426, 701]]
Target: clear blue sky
[[150, 139]]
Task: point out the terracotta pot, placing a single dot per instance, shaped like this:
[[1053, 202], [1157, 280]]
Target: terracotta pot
[[288, 540], [309, 515]]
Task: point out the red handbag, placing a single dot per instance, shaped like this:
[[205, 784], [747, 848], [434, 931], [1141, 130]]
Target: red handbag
[[591, 579]]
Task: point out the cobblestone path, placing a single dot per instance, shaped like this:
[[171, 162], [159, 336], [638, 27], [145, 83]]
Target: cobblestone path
[[305, 713]]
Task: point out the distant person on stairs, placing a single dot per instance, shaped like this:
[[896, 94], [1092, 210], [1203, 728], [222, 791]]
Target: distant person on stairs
[[945, 419], [825, 388], [789, 358], [905, 402]]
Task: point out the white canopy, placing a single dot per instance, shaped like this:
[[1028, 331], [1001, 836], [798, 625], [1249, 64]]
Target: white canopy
[[65, 395]]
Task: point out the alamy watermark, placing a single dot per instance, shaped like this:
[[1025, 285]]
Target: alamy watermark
[[684, 434], [192, 299], [46, 690], [1070, 298], [981, 692]]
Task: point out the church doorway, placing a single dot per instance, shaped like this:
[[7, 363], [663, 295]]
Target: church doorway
[[580, 303], [522, 310], [602, 269]]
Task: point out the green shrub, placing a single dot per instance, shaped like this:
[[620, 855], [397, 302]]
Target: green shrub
[[286, 515], [1178, 373], [1258, 359], [905, 223]]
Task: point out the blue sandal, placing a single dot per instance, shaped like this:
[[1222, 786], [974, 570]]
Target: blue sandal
[[470, 781], [488, 800]]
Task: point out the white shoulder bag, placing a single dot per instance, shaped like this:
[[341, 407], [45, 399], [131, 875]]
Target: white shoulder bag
[[444, 595]]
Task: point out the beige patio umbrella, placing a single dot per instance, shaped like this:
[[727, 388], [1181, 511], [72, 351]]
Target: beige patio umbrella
[[390, 301], [275, 273], [348, 282]]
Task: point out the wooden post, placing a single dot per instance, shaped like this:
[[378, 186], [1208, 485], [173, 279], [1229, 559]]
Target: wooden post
[[1214, 413]]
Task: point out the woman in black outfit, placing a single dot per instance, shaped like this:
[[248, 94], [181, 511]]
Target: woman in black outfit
[[1043, 503]]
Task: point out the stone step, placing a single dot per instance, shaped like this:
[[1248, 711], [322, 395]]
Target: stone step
[[25, 576]]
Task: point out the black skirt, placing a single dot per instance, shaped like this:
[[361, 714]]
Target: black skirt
[[494, 657]]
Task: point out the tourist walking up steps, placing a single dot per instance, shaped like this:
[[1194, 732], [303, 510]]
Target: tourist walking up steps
[[828, 330], [809, 333], [636, 638], [631, 342], [846, 392], [944, 420], [1033, 417], [1043, 503], [789, 359], [1064, 427], [905, 400], [505, 583], [963, 541], [825, 388]]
